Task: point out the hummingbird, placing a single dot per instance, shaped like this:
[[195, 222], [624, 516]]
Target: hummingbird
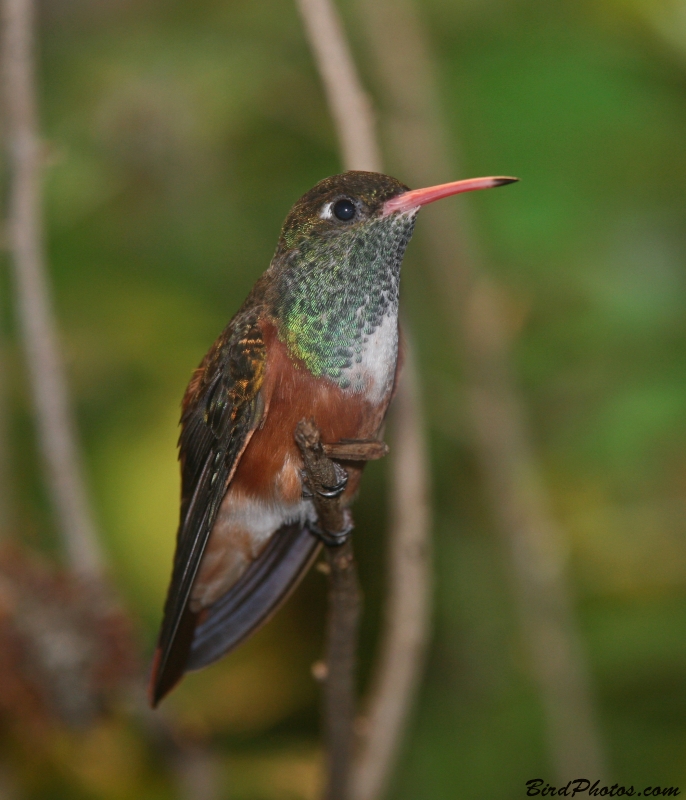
[[316, 338]]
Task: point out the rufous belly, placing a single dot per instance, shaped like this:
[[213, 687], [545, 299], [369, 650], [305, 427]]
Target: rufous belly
[[266, 490]]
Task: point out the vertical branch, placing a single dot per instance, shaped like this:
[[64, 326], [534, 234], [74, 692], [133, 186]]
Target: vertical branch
[[341, 664], [348, 102], [193, 763], [501, 437], [408, 610], [46, 372], [407, 615], [6, 510], [536, 546], [344, 610], [197, 771]]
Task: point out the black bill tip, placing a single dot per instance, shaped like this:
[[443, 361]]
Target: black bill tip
[[503, 181]]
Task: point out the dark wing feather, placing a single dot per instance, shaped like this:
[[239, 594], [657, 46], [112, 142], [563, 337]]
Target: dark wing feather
[[221, 409], [256, 596]]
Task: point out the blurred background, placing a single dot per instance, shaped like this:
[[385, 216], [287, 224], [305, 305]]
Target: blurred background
[[178, 135]]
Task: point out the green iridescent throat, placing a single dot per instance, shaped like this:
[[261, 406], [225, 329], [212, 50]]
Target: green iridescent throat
[[335, 291]]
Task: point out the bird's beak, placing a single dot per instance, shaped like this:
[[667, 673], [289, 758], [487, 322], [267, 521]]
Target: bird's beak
[[416, 198]]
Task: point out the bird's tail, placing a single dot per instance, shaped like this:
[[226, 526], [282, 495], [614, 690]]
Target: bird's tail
[[205, 637]]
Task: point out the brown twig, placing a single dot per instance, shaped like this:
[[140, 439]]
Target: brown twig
[[407, 615], [57, 437], [56, 434], [356, 451], [322, 475], [189, 759], [406, 634], [344, 611], [341, 663], [6, 506], [393, 696], [499, 427], [348, 102]]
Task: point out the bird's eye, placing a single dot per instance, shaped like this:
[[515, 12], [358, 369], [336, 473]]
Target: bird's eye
[[344, 209]]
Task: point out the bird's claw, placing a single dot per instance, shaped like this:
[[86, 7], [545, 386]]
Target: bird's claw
[[341, 482], [329, 492]]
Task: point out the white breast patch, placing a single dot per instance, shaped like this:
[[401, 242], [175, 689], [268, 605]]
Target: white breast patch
[[374, 361]]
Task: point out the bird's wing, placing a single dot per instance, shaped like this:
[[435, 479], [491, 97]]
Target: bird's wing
[[221, 409], [256, 596]]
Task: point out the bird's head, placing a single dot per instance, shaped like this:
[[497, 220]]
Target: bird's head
[[335, 275], [342, 206], [353, 204]]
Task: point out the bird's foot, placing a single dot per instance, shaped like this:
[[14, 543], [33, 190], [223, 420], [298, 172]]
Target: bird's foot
[[339, 487], [338, 538], [329, 492]]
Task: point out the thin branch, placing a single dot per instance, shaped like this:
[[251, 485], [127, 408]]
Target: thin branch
[[408, 610], [407, 615], [348, 102], [6, 505], [344, 610], [356, 451], [197, 771], [323, 475], [341, 663], [56, 433], [499, 426], [192, 762]]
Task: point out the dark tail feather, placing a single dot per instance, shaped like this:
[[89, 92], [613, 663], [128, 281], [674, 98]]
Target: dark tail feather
[[205, 637], [256, 597], [161, 683]]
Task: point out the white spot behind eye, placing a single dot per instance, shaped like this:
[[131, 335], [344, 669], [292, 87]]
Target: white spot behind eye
[[325, 213]]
